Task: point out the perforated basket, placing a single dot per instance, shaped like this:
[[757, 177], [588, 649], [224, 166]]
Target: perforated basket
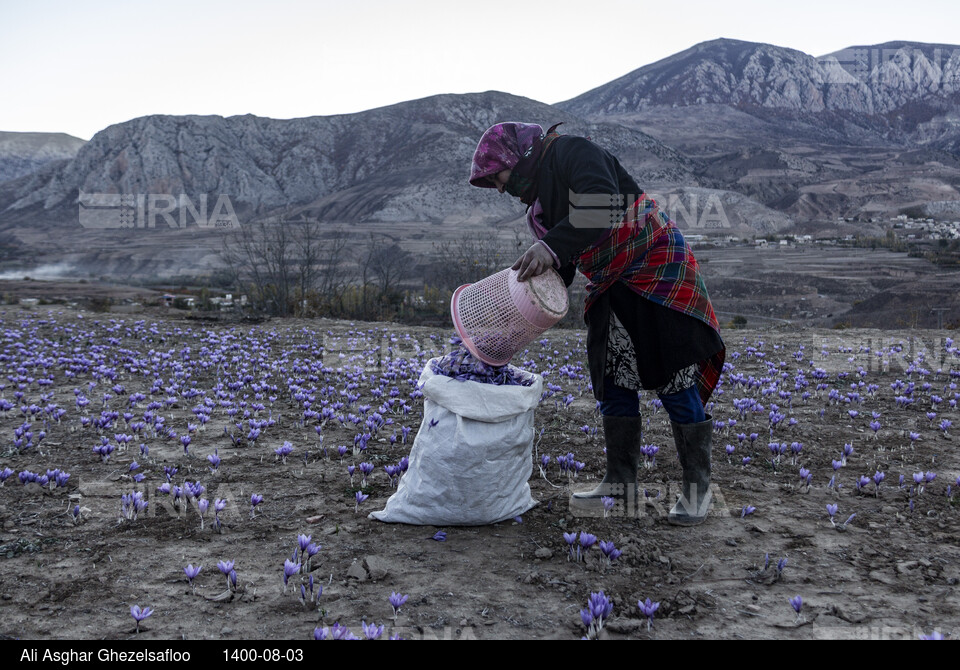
[[498, 316]]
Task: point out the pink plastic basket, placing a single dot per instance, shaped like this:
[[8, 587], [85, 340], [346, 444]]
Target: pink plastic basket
[[498, 316]]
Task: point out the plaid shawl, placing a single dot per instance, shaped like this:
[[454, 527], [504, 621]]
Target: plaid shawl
[[653, 259]]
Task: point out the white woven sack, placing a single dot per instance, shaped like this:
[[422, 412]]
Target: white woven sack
[[471, 461]]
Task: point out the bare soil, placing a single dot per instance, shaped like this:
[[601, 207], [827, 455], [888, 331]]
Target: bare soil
[[891, 572]]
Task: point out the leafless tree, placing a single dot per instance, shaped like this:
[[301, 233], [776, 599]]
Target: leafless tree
[[289, 266], [382, 264], [469, 258], [260, 256], [333, 274]]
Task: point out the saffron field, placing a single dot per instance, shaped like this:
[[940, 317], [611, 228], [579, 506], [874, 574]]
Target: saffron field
[[167, 479]]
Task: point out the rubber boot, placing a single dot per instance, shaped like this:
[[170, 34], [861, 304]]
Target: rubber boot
[[622, 437], [693, 447]]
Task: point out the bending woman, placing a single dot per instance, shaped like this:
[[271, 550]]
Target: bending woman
[[650, 323]]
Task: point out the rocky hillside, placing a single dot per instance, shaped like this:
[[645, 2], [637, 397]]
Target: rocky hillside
[[405, 162], [898, 87], [730, 72], [23, 153], [868, 131]]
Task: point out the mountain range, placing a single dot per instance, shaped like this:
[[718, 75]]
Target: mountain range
[[771, 136], [23, 153]]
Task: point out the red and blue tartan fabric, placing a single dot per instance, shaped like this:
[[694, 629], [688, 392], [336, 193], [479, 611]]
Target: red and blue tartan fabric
[[646, 252]]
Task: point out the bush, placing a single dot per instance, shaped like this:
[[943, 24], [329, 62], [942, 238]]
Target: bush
[[738, 322], [100, 304]]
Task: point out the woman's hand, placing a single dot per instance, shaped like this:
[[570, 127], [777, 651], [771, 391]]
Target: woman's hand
[[534, 261]]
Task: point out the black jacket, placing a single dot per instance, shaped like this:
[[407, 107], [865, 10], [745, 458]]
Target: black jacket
[[665, 340], [575, 171]]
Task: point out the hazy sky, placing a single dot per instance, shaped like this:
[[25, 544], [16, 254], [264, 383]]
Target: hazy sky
[[77, 67]]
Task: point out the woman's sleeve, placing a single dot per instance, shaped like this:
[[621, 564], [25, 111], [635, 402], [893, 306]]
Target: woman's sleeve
[[596, 203]]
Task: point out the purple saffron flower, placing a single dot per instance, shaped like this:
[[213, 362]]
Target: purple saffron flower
[[226, 567], [747, 511], [439, 536], [600, 607], [283, 451], [289, 570], [360, 496], [832, 511], [338, 632], [877, 478], [570, 539], [397, 601], [366, 469], [797, 603], [935, 635], [610, 551], [372, 631], [648, 608], [139, 614]]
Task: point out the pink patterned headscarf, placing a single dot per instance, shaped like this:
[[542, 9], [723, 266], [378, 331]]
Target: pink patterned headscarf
[[501, 148]]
